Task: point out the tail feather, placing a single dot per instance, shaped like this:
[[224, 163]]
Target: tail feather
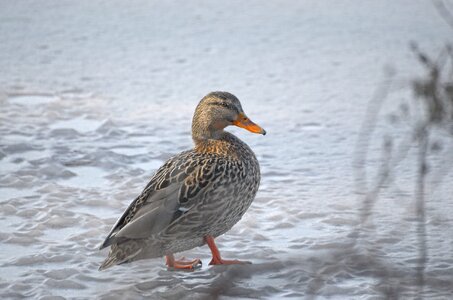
[[119, 255], [108, 262]]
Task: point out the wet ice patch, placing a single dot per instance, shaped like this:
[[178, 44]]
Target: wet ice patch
[[32, 99], [150, 165], [311, 126], [35, 155], [16, 138], [129, 151], [12, 165], [79, 124], [86, 176]]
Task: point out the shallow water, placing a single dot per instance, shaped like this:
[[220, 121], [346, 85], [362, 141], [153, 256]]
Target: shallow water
[[92, 102]]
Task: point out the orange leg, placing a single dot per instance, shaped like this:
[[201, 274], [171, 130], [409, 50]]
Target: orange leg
[[216, 258], [182, 264]]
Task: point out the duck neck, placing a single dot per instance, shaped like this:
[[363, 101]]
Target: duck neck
[[204, 135], [220, 145]]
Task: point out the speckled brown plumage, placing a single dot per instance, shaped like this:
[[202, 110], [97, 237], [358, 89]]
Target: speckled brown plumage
[[197, 193]]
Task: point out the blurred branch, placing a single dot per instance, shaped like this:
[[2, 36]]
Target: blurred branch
[[444, 12], [366, 130], [426, 115], [431, 107], [420, 204]]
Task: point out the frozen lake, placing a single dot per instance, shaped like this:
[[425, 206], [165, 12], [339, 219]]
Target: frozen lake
[[95, 95]]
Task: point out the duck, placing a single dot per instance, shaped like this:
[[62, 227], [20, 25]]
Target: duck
[[195, 196]]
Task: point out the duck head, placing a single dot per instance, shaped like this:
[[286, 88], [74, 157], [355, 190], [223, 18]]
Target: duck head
[[216, 111]]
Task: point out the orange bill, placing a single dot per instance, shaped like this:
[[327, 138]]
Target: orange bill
[[244, 122]]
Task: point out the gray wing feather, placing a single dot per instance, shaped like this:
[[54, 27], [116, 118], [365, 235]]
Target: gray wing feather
[[156, 207], [152, 218]]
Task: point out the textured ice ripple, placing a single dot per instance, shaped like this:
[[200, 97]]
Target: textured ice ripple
[[79, 181]]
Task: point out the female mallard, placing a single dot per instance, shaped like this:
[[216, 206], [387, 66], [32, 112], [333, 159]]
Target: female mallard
[[196, 195]]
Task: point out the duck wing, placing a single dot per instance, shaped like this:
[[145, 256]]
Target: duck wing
[[171, 192]]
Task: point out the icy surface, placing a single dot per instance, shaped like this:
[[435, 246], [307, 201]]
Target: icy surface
[[95, 95]]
